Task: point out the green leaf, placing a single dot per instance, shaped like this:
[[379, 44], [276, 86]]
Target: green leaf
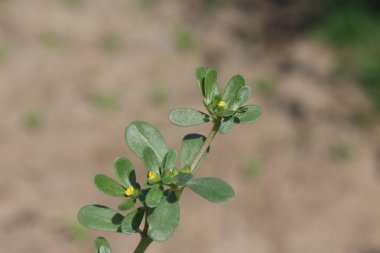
[[125, 172], [188, 117], [200, 74], [132, 221], [232, 89], [104, 249], [127, 204], [183, 178], [140, 135], [108, 186], [191, 144], [100, 217], [227, 113], [154, 196], [168, 163], [102, 245], [150, 160], [163, 219], [212, 189], [248, 114], [226, 126], [210, 85], [243, 96]]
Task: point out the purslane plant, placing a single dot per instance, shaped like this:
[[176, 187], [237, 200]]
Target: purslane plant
[[152, 208]]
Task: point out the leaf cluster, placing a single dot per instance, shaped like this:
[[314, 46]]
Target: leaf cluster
[[227, 107], [157, 198]]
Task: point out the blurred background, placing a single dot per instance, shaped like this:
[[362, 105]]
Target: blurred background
[[74, 73]]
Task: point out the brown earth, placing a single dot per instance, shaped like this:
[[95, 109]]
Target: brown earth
[[74, 73]]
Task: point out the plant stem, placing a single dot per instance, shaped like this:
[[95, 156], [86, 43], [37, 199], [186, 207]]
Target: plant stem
[[206, 144], [144, 243], [145, 240]]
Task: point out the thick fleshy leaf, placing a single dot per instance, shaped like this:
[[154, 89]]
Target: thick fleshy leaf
[[200, 74], [191, 144], [226, 126], [150, 160], [163, 219], [132, 221], [212, 189], [100, 217], [125, 172], [232, 89], [188, 117], [104, 249], [168, 163], [210, 85], [108, 186], [227, 113], [248, 114], [140, 135], [127, 204], [183, 178], [243, 96], [102, 245], [154, 196]]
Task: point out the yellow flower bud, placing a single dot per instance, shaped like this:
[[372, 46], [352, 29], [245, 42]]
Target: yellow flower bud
[[130, 191], [152, 176], [222, 104], [186, 170]]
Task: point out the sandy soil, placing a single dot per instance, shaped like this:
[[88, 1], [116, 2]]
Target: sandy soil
[[72, 75]]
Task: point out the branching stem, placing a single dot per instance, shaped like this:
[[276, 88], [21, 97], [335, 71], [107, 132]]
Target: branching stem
[[145, 240]]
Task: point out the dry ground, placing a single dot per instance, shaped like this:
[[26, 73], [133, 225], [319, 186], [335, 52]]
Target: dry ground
[[74, 73]]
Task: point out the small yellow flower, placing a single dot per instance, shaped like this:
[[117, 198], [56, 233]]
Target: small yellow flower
[[130, 191], [222, 104], [152, 176]]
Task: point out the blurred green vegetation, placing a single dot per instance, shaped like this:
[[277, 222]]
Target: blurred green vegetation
[[72, 3], [111, 43], [51, 40], [3, 3], [212, 4], [341, 151], [105, 100], [185, 39], [159, 95], [353, 28], [3, 50], [252, 168], [265, 86], [146, 4], [32, 121]]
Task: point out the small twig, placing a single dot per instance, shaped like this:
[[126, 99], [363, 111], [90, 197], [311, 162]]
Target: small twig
[[145, 240], [206, 144]]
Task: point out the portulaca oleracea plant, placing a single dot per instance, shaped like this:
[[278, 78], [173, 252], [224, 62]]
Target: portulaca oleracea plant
[[152, 208]]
